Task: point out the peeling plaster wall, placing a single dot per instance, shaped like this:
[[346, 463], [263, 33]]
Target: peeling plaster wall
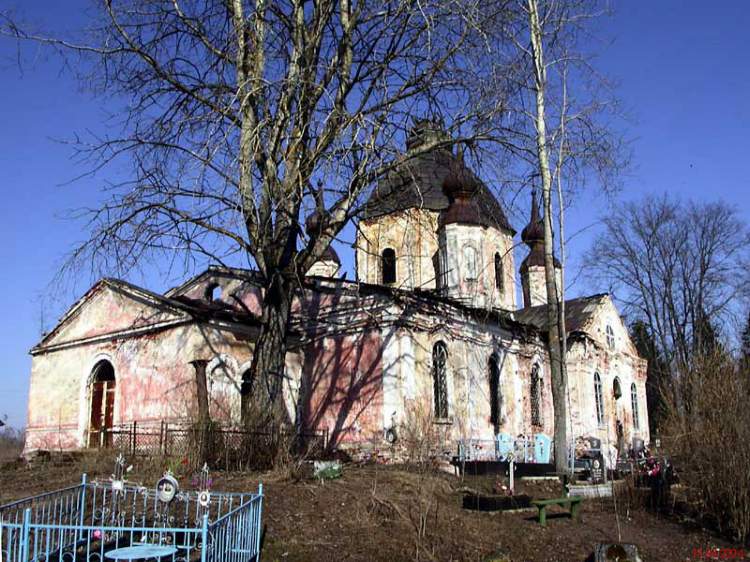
[[470, 345], [534, 285], [154, 382], [593, 355], [343, 387], [364, 365], [412, 234], [324, 268], [480, 292]]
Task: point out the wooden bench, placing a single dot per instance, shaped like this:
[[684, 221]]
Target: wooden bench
[[574, 503]]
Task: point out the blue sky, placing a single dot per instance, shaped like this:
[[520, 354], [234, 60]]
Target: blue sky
[[682, 71]]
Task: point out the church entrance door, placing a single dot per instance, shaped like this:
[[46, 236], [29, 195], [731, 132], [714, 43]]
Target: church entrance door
[[102, 416]]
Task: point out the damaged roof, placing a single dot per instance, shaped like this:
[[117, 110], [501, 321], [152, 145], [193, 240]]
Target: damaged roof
[[578, 313], [418, 183]]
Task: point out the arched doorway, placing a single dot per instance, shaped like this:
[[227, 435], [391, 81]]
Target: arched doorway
[[101, 418]]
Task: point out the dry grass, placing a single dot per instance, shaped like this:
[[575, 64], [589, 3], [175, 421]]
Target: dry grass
[[374, 513]]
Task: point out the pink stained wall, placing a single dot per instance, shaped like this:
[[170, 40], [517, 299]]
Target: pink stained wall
[[343, 385], [154, 382]]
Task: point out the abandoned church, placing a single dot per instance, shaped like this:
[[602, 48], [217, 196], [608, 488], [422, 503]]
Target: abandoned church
[[430, 330]]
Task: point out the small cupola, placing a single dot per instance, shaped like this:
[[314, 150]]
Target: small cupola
[[533, 280], [426, 132], [329, 263], [470, 243]]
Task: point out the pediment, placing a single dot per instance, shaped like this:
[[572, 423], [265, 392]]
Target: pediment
[[112, 307], [608, 315]]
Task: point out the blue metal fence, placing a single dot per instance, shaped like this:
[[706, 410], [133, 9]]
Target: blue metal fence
[[530, 449], [89, 522]]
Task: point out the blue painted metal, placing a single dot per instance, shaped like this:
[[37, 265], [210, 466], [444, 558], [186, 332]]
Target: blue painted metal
[[542, 448], [85, 522], [535, 449], [504, 445]]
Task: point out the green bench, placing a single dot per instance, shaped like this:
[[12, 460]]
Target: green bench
[[571, 502]]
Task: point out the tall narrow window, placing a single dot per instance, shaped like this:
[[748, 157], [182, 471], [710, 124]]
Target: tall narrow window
[[598, 399], [495, 397], [499, 273], [470, 263], [388, 266], [634, 404], [610, 337], [440, 380], [536, 396]]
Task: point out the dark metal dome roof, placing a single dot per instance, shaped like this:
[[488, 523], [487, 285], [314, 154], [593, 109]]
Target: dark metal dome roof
[[533, 237], [418, 183], [312, 225]]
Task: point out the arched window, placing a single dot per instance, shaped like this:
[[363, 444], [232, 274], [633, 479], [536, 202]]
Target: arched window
[[634, 404], [495, 393], [598, 399], [212, 292], [499, 273], [610, 337], [616, 388], [440, 379], [536, 396], [470, 263], [388, 266]]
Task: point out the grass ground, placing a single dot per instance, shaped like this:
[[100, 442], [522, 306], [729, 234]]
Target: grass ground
[[391, 514]]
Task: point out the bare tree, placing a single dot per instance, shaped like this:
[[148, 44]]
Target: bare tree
[[562, 134], [240, 117], [680, 267]]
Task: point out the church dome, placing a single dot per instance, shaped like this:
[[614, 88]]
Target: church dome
[[417, 182], [533, 236], [461, 187], [312, 226], [534, 231]]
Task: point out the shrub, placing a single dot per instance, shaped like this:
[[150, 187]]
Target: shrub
[[11, 443], [707, 433]]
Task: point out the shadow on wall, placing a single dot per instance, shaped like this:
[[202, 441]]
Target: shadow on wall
[[343, 371]]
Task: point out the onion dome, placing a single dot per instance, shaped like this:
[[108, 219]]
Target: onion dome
[[534, 231], [461, 187], [312, 226], [533, 236]]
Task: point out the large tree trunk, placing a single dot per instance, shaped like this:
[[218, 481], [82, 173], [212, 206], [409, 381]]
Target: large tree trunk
[[558, 374], [265, 409], [201, 432], [201, 390]]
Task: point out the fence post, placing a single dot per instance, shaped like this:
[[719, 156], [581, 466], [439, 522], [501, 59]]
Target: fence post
[[161, 437], [260, 519], [135, 437], [84, 481], [25, 534], [204, 538]]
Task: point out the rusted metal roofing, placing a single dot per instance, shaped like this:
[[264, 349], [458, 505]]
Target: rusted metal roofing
[[418, 183], [578, 313]]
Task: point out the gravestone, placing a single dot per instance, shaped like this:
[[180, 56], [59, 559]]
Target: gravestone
[[597, 473]]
